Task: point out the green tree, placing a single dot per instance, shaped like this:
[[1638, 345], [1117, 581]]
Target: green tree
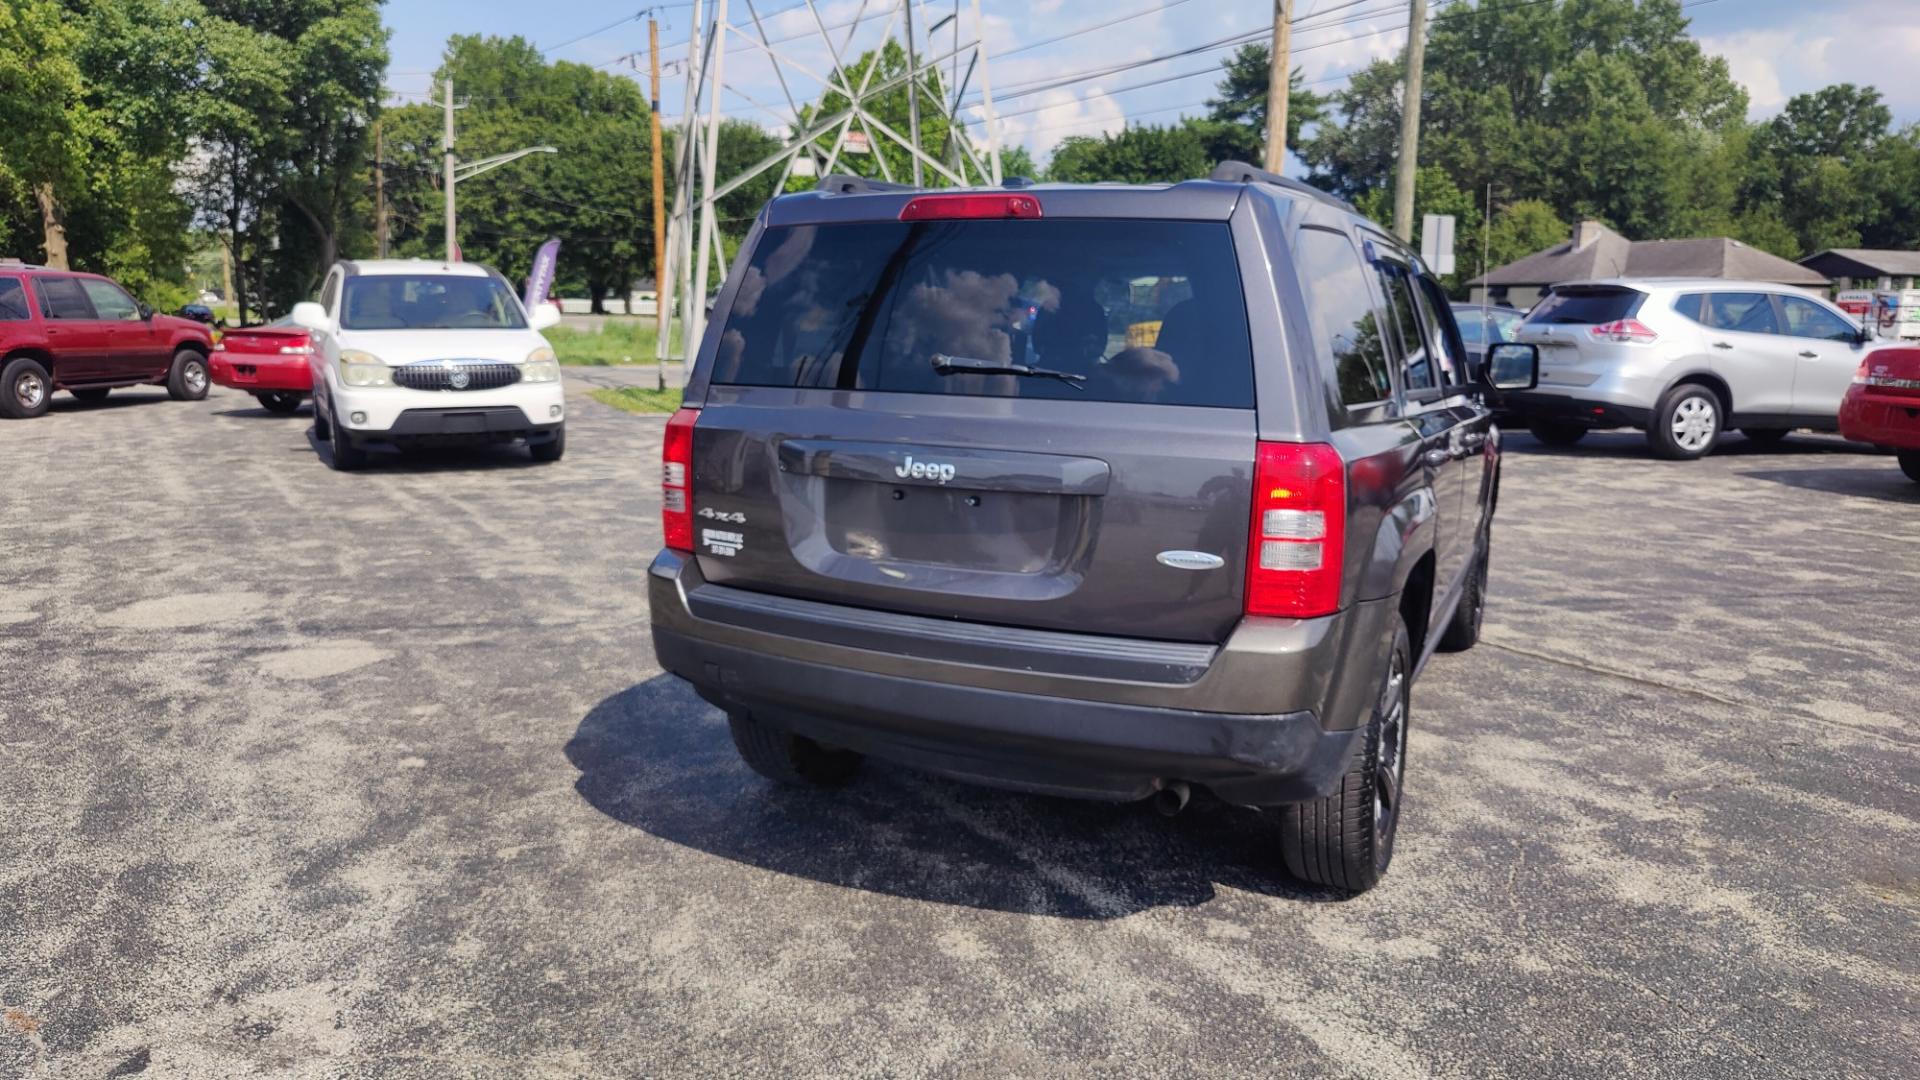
[[1139, 154], [44, 142], [1521, 228], [1240, 110]]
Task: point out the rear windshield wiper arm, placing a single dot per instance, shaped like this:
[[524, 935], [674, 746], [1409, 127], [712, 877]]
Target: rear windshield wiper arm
[[968, 365]]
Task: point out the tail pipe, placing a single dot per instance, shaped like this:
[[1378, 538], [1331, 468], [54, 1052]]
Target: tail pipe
[[1172, 798]]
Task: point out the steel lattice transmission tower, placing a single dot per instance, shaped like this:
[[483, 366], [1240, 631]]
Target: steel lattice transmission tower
[[693, 236]]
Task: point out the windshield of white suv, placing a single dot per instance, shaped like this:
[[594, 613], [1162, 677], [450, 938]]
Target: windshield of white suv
[[428, 302]]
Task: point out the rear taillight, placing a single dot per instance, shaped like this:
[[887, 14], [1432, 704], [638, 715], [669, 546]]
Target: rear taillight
[[676, 480], [1299, 531], [953, 207], [1626, 331]]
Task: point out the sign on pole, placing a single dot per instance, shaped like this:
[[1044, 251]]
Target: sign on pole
[[1436, 243]]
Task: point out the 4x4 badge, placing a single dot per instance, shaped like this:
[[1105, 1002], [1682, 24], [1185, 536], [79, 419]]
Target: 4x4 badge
[[1190, 560]]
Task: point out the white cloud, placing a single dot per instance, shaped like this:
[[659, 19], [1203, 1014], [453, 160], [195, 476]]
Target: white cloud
[[1776, 63]]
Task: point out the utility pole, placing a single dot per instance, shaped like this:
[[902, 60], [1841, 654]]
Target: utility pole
[[1279, 83], [913, 97], [446, 101], [379, 189], [1410, 123], [659, 204]]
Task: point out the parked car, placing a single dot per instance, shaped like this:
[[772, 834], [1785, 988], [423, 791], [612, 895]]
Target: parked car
[[84, 334], [409, 351], [1482, 325], [896, 525], [1882, 406], [268, 361], [1683, 360], [199, 313]]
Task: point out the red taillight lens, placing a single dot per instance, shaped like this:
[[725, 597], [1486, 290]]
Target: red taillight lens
[[951, 207], [1299, 531], [1627, 331], [676, 480]]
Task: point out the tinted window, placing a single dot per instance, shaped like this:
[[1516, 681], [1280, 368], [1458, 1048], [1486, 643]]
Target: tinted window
[[1586, 306], [13, 300], [109, 302], [1413, 352], [428, 302], [1445, 340], [1746, 313], [62, 298], [330, 292], [1485, 326], [1346, 327], [1809, 320], [1144, 311]]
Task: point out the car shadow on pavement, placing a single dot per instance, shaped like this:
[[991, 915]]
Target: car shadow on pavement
[[425, 459], [304, 415], [658, 758], [121, 398], [1889, 485], [1633, 445]]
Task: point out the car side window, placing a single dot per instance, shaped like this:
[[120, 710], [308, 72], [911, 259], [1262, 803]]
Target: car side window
[[1346, 325], [1809, 320], [1444, 335], [62, 298], [13, 301], [330, 292], [1396, 283], [110, 301], [1742, 313]]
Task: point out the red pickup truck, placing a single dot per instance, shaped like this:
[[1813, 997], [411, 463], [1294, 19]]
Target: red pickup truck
[[82, 333]]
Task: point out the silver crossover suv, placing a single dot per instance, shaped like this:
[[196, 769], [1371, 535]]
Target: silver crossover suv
[[1685, 359]]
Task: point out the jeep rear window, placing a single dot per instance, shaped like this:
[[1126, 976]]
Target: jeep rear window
[[1133, 311], [13, 301], [1586, 307]]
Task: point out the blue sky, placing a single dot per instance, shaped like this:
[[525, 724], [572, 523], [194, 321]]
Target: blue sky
[[1776, 48]]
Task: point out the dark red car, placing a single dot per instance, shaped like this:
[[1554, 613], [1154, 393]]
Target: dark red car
[[269, 362], [1882, 406], [82, 333]]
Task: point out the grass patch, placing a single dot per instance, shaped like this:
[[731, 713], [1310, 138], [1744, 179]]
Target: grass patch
[[638, 399], [617, 342]]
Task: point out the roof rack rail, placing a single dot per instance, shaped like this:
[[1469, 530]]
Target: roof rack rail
[[1239, 172], [843, 184]]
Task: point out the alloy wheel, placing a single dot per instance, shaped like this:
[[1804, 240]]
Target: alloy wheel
[[1390, 762], [195, 376], [29, 390], [1695, 420]]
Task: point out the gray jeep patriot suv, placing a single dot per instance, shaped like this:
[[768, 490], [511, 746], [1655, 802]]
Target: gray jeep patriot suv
[[1090, 490]]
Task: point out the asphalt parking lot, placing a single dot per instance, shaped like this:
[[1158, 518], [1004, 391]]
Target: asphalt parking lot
[[317, 774]]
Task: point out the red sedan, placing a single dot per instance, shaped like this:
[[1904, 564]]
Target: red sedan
[[269, 362], [1882, 406]]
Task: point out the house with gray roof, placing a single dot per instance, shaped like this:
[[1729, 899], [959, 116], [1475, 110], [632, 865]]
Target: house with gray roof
[[1867, 268], [1595, 251]]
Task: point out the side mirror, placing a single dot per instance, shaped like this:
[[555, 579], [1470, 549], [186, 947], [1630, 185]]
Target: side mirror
[[543, 317], [311, 316], [1512, 365], [146, 313]]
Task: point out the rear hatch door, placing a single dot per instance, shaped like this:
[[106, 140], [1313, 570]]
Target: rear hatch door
[[1045, 423], [1562, 323]]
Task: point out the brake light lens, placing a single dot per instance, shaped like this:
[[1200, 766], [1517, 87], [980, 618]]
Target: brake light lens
[[1299, 531], [956, 207], [1624, 331], [676, 480]]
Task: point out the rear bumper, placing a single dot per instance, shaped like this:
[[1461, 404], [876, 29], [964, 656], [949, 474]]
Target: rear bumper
[[1584, 410], [1069, 719], [1881, 419], [257, 374]]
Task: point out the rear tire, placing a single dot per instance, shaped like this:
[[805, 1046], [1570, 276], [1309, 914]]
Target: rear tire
[[188, 380], [1345, 841], [92, 394], [1556, 432], [284, 402], [1685, 424], [25, 388], [1766, 436], [786, 758], [1910, 464], [551, 450], [1463, 630]]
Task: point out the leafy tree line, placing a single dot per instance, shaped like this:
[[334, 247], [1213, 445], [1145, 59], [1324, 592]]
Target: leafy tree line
[[1563, 111]]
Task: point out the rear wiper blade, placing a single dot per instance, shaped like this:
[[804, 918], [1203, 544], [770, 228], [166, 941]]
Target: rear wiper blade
[[969, 365]]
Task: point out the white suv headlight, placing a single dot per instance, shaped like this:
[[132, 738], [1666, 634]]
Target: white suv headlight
[[541, 366], [363, 369]]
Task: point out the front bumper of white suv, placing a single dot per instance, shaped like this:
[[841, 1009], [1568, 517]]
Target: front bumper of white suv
[[462, 406]]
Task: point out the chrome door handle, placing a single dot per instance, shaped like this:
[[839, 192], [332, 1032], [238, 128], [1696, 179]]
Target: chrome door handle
[[1437, 458], [1721, 345], [1811, 355]]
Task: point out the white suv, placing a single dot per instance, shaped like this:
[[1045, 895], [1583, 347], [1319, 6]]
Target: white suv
[[410, 351], [1684, 360]]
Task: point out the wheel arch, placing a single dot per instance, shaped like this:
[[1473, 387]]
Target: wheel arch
[[40, 356], [1712, 382]]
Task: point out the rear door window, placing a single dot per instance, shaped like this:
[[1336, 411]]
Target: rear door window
[[1065, 309], [1809, 320], [13, 301], [1586, 306], [1744, 313], [1415, 364], [62, 298], [1346, 325], [1443, 338]]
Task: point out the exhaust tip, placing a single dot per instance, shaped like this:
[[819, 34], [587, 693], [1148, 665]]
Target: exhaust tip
[[1172, 798]]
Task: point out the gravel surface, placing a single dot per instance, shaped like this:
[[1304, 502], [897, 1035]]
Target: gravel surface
[[316, 774]]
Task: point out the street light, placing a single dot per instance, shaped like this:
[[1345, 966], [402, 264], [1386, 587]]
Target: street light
[[455, 173]]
